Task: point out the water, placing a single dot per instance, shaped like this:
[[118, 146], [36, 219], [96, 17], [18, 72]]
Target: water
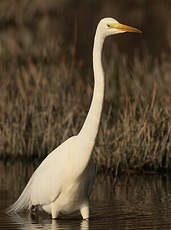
[[130, 202]]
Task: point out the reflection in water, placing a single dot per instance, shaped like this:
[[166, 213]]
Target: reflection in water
[[28, 222], [130, 202]]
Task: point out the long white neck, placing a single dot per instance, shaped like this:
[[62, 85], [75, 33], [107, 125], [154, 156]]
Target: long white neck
[[90, 127]]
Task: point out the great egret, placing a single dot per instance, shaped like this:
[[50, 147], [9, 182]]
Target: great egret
[[63, 181]]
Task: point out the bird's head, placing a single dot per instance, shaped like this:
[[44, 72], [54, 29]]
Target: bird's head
[[110, 26]]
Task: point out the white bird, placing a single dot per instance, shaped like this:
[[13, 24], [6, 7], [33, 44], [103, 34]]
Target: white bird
[[63, 181]]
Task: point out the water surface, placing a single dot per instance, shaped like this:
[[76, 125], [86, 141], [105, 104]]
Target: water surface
[[130, 202]]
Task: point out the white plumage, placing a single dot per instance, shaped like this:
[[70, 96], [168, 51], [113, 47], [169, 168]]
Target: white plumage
[[63, 181]]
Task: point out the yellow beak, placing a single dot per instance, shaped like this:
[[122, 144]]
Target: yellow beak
[[126, 28]]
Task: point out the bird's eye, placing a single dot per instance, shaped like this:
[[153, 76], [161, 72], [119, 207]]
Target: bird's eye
[[108, 25]]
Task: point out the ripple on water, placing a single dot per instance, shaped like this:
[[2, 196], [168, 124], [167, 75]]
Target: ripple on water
[[133, 202]]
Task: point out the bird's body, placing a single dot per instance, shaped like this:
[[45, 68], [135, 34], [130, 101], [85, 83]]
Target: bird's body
[[51, 184], [63, 181]]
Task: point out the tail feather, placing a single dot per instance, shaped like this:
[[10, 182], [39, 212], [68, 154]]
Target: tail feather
[[23, 202]]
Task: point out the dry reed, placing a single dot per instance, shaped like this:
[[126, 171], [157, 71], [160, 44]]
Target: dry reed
[[45, 95], [42, 105]]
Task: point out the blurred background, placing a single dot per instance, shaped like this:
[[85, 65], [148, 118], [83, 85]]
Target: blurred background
[[46, 86], [26, 26], [46, 79]]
